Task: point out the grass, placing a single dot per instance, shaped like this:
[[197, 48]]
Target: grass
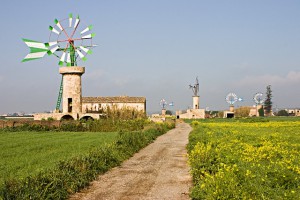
[[78, 159], [245, 159], [28, 153]]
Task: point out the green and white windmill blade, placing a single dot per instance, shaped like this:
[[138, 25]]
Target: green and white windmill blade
[[87, 29], [37, 50]]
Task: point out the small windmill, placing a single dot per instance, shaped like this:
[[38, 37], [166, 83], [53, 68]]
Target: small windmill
[[231, 98], [259, 100], [163, 104], [195, 89], [66, 43]]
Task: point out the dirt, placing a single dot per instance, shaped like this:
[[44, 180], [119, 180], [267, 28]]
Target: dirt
[[159, 171]]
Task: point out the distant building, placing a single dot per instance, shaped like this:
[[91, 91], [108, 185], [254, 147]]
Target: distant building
[[294, 112], [99, 104]]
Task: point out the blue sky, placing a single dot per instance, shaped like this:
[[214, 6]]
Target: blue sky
[[156, 49]]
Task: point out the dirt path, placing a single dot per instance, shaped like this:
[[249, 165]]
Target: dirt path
[[159, 171]]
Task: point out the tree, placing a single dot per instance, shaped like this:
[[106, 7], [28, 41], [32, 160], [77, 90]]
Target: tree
[[169, 112], [261, 112], [242, 111], [268, 101], [282, 113]]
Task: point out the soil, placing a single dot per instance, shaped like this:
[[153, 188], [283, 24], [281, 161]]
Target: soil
[[159, 171]]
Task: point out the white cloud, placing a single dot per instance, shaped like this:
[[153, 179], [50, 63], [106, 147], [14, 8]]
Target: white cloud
[[291, 78]]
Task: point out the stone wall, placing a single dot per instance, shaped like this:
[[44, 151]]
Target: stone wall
[[16, 123], [192, 114]]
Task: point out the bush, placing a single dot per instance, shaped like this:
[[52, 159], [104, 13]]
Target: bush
[[101, 125], [282, 113], [242, 112]]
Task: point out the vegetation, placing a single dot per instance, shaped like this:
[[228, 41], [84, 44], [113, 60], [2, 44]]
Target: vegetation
[[282, 113], [268, 101], [169, 112], [102, 125], [242, 111], [28, 153], [124, 113], [238, 160], [75, 172], [261, 112]]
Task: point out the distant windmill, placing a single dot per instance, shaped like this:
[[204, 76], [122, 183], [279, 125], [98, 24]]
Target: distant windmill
[[163, 104], [259, 100], [195, 89]]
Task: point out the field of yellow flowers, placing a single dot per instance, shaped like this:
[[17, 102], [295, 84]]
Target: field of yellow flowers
[[242, 160]]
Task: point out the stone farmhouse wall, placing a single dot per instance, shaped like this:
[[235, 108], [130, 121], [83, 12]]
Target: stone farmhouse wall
[[16, 123], [94, 104]]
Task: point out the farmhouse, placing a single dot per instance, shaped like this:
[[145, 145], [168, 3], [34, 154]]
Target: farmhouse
[[99, 104]]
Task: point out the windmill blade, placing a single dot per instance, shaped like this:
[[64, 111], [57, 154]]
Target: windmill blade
[[37, 50], [58, 24], [86, 50], [76, 22], [81, 55], [62, 59], [70, 19], [86, 29], [53, 30], [52, 50], [50, 44], [89, 36]]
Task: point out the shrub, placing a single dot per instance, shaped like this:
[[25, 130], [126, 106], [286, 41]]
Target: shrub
[[282, 113]]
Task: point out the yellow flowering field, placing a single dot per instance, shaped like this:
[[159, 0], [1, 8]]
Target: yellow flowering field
[[242, 160]]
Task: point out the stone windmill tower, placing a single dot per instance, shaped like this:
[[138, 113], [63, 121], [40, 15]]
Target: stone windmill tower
[[72, 95]]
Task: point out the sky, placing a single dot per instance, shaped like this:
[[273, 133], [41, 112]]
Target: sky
[[156, 49]]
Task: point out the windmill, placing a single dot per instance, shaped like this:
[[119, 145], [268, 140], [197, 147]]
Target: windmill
[[66, 43], [231, 98], [259, 100], [195, 89]]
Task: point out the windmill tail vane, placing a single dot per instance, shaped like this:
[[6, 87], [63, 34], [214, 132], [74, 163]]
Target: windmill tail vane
[[37, 50]]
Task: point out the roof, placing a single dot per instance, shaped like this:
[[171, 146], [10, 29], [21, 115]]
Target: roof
[[120, 99]]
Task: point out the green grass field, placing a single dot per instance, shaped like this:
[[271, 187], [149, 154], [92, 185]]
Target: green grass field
[[245, 159], [27, 153]]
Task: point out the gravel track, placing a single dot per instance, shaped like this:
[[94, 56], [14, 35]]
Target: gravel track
[[159, 171]]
